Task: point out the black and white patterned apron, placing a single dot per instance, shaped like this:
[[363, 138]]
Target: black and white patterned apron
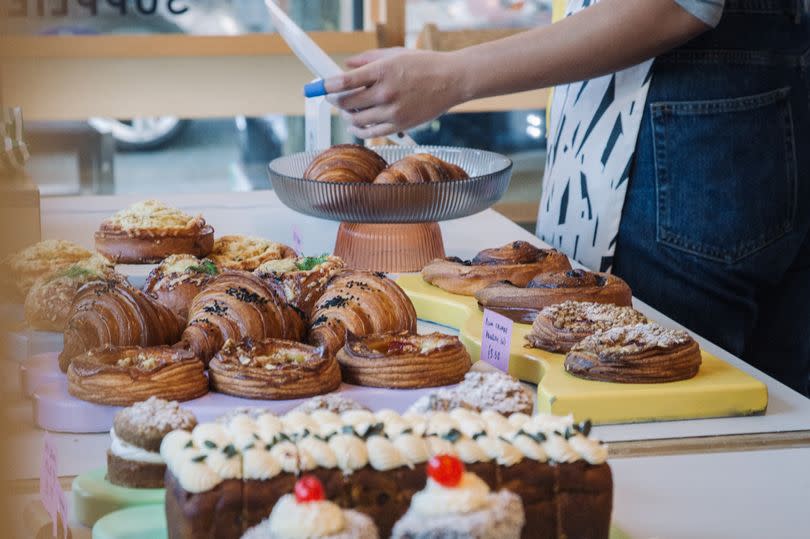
[[592, 135]]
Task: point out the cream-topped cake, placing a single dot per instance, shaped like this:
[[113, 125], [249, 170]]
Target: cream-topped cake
[[457, 504], [133, 459], [375, 462], [307, 514]]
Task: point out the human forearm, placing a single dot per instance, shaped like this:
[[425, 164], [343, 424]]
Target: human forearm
[[604, 38]]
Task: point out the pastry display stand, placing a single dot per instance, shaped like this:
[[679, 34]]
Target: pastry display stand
[[393, 228], [718, 390]]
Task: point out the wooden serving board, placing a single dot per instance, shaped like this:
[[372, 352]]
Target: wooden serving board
[[95, 497], [149, 522], [718, 390]]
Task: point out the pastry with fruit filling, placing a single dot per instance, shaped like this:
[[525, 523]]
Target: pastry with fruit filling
[[124, 375], [403, 360], [273, 369]]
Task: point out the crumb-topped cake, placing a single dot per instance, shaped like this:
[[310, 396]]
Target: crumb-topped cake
[[559, 327], [248, 252], [20, 270], [133, 459], [222, 479], [480, 391], [307, 514], [457, 504], [642, 353], [148, 231]]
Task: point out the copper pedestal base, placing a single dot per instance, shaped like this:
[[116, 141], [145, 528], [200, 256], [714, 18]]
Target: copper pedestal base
[[392, 248]]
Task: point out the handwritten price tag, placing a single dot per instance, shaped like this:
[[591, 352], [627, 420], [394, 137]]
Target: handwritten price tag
[[297, 239], [50, 491], [496, 340]]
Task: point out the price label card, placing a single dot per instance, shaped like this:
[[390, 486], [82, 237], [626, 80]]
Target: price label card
[[50, 491], [297, 240], [496, 340]]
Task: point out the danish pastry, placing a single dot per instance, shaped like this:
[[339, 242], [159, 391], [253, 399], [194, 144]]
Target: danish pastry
[[236, 305], [273, 369], [149, 231], [403, 360], [559, 327], [640, 354], [178, 279], [522, 304], [124, 375], [247, 253], [346, 163], [362, 302], [115, 313], [516, 262], [420, 168]]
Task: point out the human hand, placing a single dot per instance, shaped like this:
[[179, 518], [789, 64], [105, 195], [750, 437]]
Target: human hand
[[395, 89]]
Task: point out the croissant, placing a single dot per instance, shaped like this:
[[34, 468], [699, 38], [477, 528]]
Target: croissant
[[178, 279], [516, 262], [303, 279], [236, 305], [362, 302], [115, 313], [347, 163], [420, 168], [522, 304]]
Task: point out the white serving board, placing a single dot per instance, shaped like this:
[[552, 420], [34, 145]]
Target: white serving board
[[39, 370], [23, 344]]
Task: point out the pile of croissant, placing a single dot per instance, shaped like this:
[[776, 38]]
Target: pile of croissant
[[304, 302], [352, 163]]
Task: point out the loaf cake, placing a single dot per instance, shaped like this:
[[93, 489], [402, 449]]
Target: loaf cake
[[223, 479]]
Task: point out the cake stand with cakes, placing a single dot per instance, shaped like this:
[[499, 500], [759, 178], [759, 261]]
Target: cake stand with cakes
[[393, 227]]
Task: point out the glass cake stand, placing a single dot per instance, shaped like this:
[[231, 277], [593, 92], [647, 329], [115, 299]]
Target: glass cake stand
[[393, 228]]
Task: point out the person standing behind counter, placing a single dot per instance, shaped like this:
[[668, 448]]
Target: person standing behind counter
[[677, 152]]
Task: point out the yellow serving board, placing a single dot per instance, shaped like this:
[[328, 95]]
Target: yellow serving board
[[718, 390]]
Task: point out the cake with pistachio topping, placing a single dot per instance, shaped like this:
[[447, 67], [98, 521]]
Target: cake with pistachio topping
[[375, 462]]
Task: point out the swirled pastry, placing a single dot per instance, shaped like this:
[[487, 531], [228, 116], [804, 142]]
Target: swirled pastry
[[362, 302], [247, 253], [303, 279], [516, 262], [345, 163], [149, 231], [403, 360], [273, 369], [420, 168], [122, 376], [559, 327], [115, 313], [523, 303], [178, 279], [48, 302], [237, 305], [19, 271], [640, 354]]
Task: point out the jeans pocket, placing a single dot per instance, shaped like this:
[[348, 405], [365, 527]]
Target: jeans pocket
[[726, 175]]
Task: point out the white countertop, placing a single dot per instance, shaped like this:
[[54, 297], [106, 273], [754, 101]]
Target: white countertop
[[262, 214]]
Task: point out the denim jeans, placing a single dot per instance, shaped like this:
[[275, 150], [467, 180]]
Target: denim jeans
[[715, 228]]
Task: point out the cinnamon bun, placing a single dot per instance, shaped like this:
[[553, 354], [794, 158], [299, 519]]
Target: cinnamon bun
[[149, 231], [640, 354], [516, 262], [559, 327], [403, 360], [124, 375], [273, 369], [522, 304]]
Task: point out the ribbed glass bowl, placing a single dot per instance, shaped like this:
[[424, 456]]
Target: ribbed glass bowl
[[395, 203]]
